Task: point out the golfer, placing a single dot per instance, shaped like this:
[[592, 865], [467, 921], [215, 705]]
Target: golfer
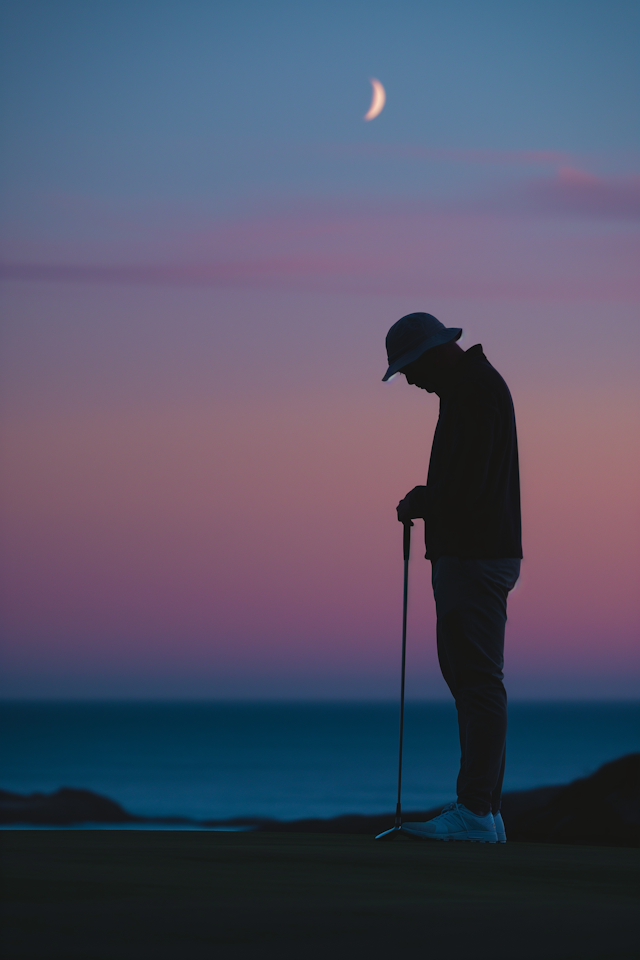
[[471, 509]]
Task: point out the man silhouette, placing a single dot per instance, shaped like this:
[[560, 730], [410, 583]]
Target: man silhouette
[[471, 509]]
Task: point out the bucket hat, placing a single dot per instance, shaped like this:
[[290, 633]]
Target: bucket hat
[[412, 336]]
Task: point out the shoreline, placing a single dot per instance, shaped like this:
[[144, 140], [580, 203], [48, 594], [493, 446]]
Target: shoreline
[[602, 809]]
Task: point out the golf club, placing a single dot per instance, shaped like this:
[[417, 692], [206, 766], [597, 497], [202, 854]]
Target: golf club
[[406, 549]]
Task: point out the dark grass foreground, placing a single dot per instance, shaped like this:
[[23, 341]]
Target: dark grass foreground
[[166, 894]]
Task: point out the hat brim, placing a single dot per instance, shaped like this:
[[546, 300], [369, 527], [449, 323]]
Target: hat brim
[[443, 336]]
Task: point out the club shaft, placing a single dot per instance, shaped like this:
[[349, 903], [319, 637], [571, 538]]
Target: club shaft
[[406, 544]]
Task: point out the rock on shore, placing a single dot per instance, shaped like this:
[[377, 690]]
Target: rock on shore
[[65, 807]]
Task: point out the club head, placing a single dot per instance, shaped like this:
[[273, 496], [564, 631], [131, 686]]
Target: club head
[[392, 834]]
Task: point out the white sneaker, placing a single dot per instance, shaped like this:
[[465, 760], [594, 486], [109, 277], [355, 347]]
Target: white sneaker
[[500, 831], [455, 823]]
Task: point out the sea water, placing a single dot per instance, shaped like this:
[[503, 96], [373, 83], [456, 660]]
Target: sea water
[[289, 760]]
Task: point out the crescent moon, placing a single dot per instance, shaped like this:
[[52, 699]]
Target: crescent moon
[[377, 100]]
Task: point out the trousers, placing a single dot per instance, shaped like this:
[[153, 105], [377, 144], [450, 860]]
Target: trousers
[[471, 608]]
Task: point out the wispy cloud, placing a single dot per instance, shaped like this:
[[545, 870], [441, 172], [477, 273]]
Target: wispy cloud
[[413, 151], [520, 241], [208, 272]]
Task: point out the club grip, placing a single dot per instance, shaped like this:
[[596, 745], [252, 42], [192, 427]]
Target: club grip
[[406, 540]]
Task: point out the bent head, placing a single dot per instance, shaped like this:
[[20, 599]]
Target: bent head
[[431, 370]]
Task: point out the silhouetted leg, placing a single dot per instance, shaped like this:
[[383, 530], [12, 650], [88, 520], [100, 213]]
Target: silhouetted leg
[[463, 725], [448, 672], [471, 600], [496, 796]]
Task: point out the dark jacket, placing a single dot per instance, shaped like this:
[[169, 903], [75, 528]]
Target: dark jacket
[[472, 497]]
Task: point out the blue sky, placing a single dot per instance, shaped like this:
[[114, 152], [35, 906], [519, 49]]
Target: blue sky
[[212, 101]]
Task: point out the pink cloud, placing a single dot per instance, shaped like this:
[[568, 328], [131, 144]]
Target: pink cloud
[[576, 191]]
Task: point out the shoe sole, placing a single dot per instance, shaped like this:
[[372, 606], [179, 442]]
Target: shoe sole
[[414, 836], [426, 836]]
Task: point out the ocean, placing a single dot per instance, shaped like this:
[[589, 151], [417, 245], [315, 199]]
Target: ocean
[[289, 760]]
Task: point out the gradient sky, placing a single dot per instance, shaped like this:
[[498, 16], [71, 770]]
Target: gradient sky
[[203, 245]]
